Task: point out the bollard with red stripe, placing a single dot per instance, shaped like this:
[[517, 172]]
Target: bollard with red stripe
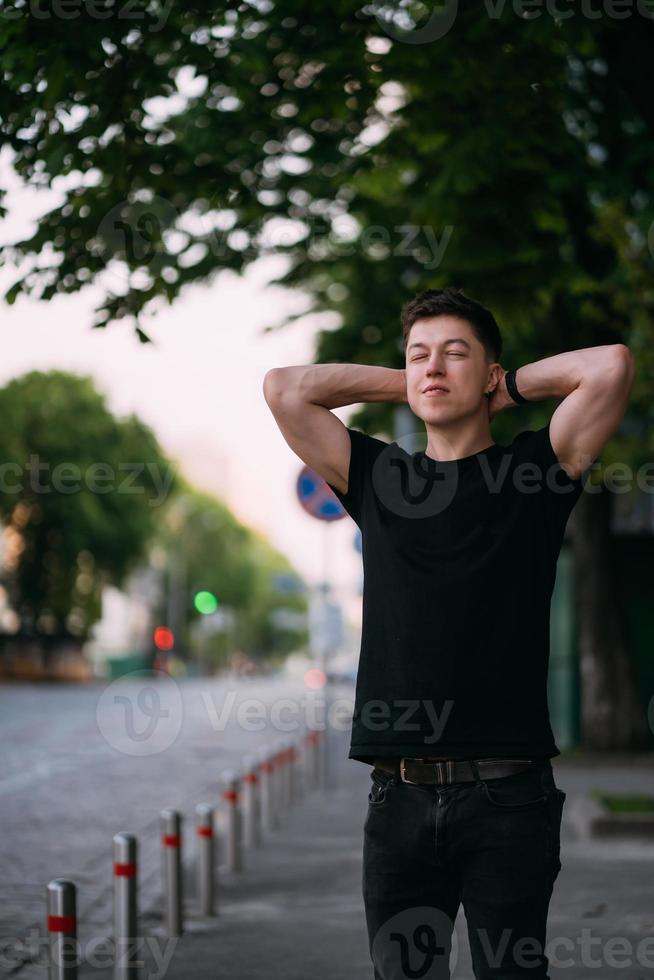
[[232, 799], [275, 814], [275, 796], [284, 748], [204, 813], [313, 760], [282, 768], [302, 775], [62, 929], [318, 748], [295, 791], [306, 762], [280, 778], [266, 777], [171, 865], [251, 802], [125, 891], [321, 757]]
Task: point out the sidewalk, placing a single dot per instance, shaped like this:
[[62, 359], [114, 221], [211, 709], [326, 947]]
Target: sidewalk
[[296, 911]]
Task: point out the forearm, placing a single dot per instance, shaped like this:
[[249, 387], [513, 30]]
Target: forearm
[[558, 376], [335, 385]]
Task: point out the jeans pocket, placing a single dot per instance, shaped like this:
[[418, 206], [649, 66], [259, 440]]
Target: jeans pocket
[[381, 783], [514, 792], [556, 799]]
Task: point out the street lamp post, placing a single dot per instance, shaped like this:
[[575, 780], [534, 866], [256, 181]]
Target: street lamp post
[[177, 572]]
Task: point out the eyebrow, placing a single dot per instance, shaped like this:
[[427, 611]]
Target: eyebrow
[[452, 340]]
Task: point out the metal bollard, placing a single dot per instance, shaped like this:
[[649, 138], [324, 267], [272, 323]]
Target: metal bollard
[[304, 764], [280, 777], [278, 801], [287, 781], [297, 789], [273, 758], [232, 797], [171, 841], [206, 858], [289, 772], [307, 757], [125, 907], [321, 757], [294, 783], [276, 785], [313, 763], [267, 788], [280, 781], [251, 802], [62, 929]]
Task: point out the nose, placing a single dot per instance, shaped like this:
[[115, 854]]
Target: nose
[[435, 364]]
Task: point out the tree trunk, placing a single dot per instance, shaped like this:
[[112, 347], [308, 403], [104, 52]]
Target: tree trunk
[[612, 716]]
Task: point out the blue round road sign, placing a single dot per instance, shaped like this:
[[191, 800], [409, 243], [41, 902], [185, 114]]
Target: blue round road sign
[[317, 498]]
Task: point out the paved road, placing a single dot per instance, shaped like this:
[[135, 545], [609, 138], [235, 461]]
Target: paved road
[[79, 766], [296, 911]]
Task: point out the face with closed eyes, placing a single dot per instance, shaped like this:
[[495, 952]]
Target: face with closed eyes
[[444, 351]]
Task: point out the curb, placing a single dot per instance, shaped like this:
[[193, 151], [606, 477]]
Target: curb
[[592, 821]]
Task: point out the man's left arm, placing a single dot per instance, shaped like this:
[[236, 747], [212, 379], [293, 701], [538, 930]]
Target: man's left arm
[[595, 384]]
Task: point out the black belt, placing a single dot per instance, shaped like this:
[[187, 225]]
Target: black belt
[[452, 770]]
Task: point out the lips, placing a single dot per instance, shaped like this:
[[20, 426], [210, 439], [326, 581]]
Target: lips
[[435, 390]]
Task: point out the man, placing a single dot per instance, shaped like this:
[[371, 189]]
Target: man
[[460, 544]]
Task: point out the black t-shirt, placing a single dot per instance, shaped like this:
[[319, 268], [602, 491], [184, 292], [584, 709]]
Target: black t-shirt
[[459, 561]]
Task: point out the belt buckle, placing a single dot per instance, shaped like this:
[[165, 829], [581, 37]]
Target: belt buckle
[[444, 771], [402, 776]]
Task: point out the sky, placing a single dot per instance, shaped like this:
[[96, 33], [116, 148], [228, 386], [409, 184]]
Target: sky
[[198, 386]]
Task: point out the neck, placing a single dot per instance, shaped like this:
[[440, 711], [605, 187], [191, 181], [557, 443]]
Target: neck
[[460, 439]]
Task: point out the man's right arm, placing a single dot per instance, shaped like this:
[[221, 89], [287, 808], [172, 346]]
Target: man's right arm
[[300, 398]]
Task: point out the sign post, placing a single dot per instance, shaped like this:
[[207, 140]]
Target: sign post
[[325, 620], [319, 501]]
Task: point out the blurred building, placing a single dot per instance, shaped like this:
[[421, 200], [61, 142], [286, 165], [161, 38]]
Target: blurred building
[[125, 630]]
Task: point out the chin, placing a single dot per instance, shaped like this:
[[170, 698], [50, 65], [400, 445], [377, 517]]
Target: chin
[[434, 411]]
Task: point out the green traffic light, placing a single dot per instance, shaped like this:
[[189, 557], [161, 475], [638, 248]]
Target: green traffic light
[[205, 602]]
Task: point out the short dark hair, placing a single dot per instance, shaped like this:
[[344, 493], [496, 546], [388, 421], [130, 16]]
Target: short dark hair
[[454, 302]]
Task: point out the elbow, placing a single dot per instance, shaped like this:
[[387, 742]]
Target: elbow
[[272, 384], [281, 382], [621, 369], [624, 361], [614, 367]]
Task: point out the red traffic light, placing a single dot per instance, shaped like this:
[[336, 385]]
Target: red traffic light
[[164, 638]]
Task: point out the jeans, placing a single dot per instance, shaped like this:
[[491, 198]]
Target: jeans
[[492, 844]]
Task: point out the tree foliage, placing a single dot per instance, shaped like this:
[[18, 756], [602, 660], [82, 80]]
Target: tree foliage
[[222, 556], [85, 496], [510, 155], [167, 189], [80, 496]]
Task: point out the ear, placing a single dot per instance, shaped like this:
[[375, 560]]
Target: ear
[[495, 375]]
